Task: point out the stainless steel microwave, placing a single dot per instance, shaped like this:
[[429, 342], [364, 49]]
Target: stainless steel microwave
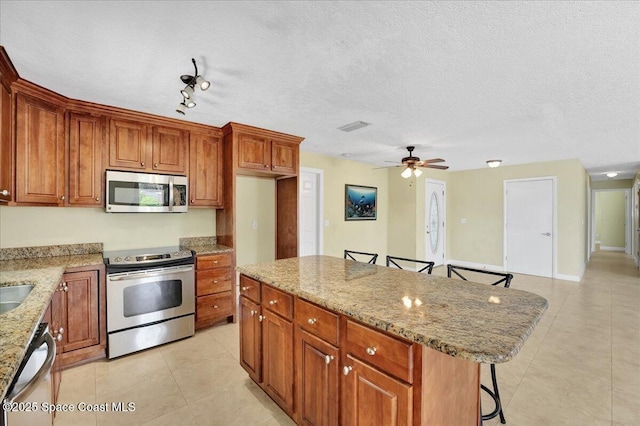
[[129, 192]]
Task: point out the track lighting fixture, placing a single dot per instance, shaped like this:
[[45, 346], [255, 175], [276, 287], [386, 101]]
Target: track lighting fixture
[[191, 82]]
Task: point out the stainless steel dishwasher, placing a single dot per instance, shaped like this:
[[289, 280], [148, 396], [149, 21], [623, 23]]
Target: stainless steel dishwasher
[[30, 393]]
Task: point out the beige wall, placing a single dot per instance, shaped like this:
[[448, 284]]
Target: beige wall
[[41, 226], [364, 235], [478, 196], [610, 218], [255, 201], [612, 184]]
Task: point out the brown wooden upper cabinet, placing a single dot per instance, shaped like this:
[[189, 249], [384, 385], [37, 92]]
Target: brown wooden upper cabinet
[[265, 154], [141, 147], [40, 145], [8, 75], [86, 159], [205, 171]]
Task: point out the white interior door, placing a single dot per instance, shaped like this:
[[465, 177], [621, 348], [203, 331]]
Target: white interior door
[[310, 212], [529, 227], [434, 221]]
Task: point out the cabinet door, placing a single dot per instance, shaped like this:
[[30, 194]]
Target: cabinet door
[[277, 351], [317, 375], [6, 145], [251, 339], [205, 171], [284, 157], [254, 152], [128, 144], [170, 150], [86, 159], [371, 397], [80, 310], [40, 176]]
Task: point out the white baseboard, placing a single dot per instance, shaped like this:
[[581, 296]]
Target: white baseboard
[[577, 278], [612, 248]]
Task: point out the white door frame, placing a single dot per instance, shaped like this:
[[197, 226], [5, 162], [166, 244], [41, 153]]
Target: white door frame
[[554, 218], [427, 245], [320, 204], [628, 229]]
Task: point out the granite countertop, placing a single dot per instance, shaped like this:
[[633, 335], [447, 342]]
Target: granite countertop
[[208, 249], [451, 316], [18, 325]]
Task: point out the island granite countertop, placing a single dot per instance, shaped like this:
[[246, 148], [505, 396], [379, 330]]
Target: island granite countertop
[[452, 316], [18, 325]]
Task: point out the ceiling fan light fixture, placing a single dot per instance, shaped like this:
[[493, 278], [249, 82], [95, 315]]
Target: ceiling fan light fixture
[[189, 103], [406, 173], [417, 172], [187, 93], [612, 174], [181, 107], [494, 163]]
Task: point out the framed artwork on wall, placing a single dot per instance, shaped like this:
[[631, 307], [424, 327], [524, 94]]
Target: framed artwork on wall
[[360, 202]]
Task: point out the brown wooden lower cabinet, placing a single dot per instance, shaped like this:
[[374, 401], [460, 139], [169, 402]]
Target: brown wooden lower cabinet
[[215, 296], [369, 378], [83, 322], [317, 379]]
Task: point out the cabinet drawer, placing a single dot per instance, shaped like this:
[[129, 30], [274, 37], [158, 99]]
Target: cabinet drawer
[[250, 288], [213, 261], [317, 321], [214, 306], [213, 281], [277, 301], [385, 352]]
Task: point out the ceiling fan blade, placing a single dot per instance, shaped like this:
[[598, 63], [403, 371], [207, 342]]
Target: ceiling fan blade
[[434, 166], [396, 162], [432, 160], [387, 167]]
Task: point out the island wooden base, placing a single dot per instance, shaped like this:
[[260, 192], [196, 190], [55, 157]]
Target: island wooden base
[[325, 368]]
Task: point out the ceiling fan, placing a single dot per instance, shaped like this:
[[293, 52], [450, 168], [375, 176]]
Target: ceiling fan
[[412, 164]]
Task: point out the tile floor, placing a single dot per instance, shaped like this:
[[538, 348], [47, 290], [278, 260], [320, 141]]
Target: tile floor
[[581, 366]]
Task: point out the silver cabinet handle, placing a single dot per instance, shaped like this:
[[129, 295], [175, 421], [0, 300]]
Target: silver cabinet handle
[[244, 288], [215, 306], [5, 193], [273, 302], [215, 281], [253, 312], [97, 198], [328, 359], [346, 370], [261, 317], [548, 234], [62, 198], [312, 321], [155, 165], [142, 164], [371, 351]]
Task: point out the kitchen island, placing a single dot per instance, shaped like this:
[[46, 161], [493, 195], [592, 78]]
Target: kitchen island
[[413, 340]]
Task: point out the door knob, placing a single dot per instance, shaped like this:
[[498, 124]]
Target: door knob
[[5, 192]]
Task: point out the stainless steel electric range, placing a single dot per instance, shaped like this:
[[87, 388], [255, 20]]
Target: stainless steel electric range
[[150, 298]]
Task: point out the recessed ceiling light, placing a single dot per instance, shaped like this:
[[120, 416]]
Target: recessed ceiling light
[[612, 174], [354, 126], [493, 163]]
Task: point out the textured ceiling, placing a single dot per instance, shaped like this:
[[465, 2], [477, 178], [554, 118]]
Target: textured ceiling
[[466, 81]]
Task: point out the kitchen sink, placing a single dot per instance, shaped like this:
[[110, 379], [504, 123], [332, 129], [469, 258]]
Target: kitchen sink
[[12, 296]]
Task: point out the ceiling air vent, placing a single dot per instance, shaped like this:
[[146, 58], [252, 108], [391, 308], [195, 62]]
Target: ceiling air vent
[[354, 126]]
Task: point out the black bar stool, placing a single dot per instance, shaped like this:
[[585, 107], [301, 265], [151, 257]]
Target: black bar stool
[[504, 278], [393, 260], [372, 257]]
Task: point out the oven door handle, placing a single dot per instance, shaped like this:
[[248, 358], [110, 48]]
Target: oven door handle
[[138, 275]]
